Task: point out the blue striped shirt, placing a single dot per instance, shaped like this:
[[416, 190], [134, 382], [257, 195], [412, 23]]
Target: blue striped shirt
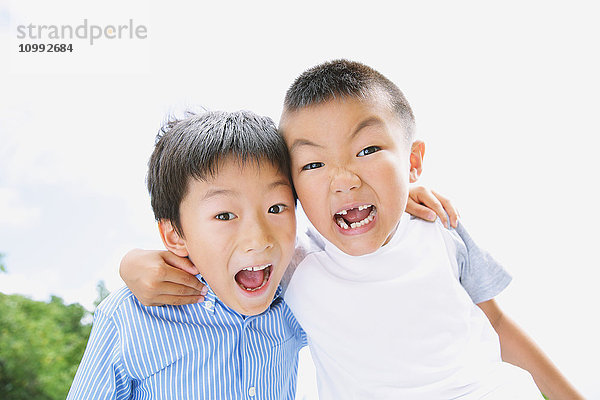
[[198, 351]]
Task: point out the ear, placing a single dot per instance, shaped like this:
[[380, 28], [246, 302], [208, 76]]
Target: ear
[[417, 152], [172, 240]]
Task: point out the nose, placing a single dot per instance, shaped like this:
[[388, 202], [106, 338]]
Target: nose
[[258, 236], [344, 181]]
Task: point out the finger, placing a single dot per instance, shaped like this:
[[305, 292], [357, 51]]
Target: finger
[[175, 289], [179, 300], [428, 200], [414, 208], [166, 273], [182, 263], [449, 208], [420, 211], [178, 277]]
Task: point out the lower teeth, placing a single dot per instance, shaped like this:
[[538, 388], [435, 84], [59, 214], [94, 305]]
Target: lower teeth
[[342, 223]]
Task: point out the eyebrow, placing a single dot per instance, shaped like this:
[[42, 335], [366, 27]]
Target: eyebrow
[[371, 121], [277, 183], [303, 142], [219, 192], [234, 193]]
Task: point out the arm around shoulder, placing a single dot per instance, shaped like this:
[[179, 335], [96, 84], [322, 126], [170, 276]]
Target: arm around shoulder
[[161, 277]]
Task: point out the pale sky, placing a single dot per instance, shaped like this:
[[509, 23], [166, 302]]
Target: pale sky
[[506, 97]]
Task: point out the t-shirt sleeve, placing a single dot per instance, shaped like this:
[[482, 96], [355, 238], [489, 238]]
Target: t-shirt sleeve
[[101, 374], [480, 275]]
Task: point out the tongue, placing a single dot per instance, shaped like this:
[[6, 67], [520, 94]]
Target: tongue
[[250, 279], [354, 215]]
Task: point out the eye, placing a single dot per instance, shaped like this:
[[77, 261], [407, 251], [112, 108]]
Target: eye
[[368, 150], [226, 216], [313, 165], [277, 208]]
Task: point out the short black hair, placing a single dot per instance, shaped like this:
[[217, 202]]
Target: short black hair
[[343, 78], [197, 145]]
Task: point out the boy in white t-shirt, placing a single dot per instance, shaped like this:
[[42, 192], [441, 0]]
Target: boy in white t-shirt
[[382, 305], [380, 294]]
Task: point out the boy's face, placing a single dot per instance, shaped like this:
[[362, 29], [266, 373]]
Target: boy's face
[[351, 168], [240, 221]]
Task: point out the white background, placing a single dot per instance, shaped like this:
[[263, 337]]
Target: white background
[[506, 97]]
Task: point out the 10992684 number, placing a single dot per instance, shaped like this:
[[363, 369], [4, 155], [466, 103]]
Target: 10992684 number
[[45, 48]]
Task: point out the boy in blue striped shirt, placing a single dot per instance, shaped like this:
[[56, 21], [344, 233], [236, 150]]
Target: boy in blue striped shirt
[[221, 192]]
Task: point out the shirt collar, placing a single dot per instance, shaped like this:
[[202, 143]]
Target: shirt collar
[[210, 298]]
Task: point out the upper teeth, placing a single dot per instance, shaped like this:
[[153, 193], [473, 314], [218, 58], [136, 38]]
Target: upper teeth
[[360, 208], [257, 268]]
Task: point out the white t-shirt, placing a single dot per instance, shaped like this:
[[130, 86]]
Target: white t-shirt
[[396, 323]]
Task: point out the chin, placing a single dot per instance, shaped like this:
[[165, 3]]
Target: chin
[[254, 306], [253, 310], [358, 251], [358, 246]]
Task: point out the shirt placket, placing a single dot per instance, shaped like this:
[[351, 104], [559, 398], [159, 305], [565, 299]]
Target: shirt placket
[[249, 376]]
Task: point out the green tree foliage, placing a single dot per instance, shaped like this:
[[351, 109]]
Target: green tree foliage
[[2, 266], [41, 344]]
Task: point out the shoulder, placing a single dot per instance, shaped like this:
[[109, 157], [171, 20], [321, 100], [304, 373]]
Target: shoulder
[[457, 240], [130, 329], [454, 241], [122, 298], [422, 230]]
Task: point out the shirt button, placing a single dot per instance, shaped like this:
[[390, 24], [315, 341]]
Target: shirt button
[[252, 391], [209, 305]]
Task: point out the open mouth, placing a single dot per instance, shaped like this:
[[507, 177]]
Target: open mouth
[[254, 278], [355, 217]]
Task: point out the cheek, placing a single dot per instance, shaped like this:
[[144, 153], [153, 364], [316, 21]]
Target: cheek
[[289, 231], [316, 209], [211, 237], [312, 195], [389, 181], [289, 244]]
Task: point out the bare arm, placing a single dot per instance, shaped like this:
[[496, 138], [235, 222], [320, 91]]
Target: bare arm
[[161, 277], [520, 350]]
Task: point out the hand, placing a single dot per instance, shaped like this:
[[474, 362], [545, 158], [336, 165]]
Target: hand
[[425, 204], [161, 277]]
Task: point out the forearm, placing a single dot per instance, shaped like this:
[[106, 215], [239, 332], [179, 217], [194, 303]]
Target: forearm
[[161, 277], [520, 350]]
